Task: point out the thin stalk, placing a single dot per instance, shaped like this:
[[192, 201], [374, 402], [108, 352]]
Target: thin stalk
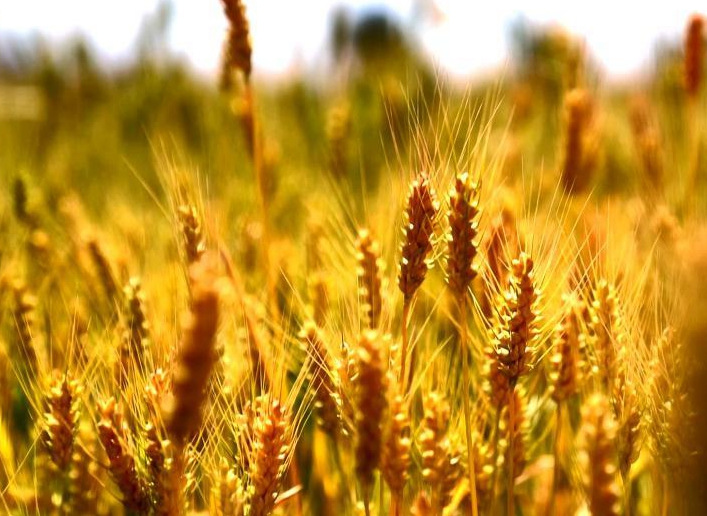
[[464, 338], [339, 462], [367, 502], [381, 496], [395, 503], [257, 156], [511, 465], [404, 348], [494, 478], [435, 502], [556, 470], [693, 127]]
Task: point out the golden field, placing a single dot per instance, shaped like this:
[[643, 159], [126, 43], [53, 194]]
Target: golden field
[[387, 293]]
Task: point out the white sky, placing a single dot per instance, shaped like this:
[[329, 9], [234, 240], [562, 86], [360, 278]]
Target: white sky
[[471, 37]]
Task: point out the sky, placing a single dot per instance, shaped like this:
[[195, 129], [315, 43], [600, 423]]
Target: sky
[[467, 37]]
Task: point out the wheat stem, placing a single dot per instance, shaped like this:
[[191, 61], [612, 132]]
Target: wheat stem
[[511, 461], [464, 337], [404, 348]]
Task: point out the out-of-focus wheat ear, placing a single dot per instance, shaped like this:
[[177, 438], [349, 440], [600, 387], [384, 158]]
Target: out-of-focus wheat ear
[[418, 229], [694, 55], [346, 366], [19, 200], [85, 474], [693, 72], [112, 432], [368, 270], [664, 386], [434, 446], [138, 326], [564, 378], [463, 230], [395, 460], [30, 354], [226, 493], [575, 173], [422, 505], [236, 60], [319, 295], [61, 419], [195, 357], [455, 473], [649, 145], [238, 48], [103, 269], [629, 416], [605, 332], [6, 383], [133, 351], [323, 380], [598, 457], [502, 243], [565, 359], [484, 463], [338, 131], [515, 330], [191, 229], [371, 404], [271, 446]]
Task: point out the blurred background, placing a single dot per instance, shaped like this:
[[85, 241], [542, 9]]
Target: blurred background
[[89, 89], [464, 38]]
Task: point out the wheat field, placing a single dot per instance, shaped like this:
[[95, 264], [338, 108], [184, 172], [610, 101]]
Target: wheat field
[[388, 295]]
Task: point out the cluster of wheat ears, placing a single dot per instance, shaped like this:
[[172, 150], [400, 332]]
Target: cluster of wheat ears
[[474, 346]]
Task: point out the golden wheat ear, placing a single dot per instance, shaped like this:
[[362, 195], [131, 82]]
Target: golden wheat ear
[[516, 331], [420, 214], [113, 434], [272, 441], [463, 231], [61, 419], [326, 391], [441, 466]]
